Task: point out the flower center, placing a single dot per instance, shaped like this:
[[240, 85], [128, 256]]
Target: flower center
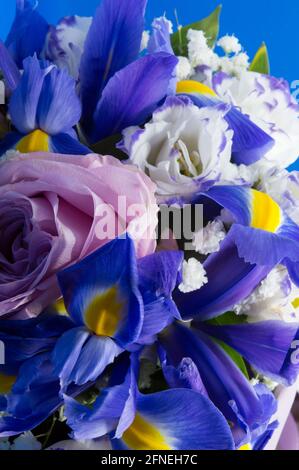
[[190, 162]]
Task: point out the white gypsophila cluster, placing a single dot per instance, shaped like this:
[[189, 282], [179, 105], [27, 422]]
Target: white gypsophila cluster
[[271, 300], [230, 44], [199, 52], [184, 69], [207, 240], [194, 276], [144, 40], [26, 441]]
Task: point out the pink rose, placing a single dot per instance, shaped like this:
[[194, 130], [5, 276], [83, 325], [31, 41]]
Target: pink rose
[[55, 210]]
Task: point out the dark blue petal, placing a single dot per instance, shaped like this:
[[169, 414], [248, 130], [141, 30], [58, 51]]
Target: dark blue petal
[[225, 384], [266, 345], [185, 375], [24, 101], [230, 280], [174, 420], [66, 144], [113, 410], [9, 142], [158, 274], [8, 68], [59, 107], [25, 338], [132, 94], [113, 41], [34, 398], [250, 142], [67, 352], [28, 32], [96, 354]]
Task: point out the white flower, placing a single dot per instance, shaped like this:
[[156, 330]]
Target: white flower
[[65, 43], [199, 52], [269, 104], [271, 300], [208, 239], [184, 69], [103, 443], [241, 62], [194, 276], [144, 40], [230, 44], [25, 441], [226, 65], [183, 149], [283, 187]]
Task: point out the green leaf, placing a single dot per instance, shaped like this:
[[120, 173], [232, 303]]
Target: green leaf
[[261, 62], [209, 25], [235, 356], [228, 318]]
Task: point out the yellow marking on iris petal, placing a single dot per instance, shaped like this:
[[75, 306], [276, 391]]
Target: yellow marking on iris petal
[[191, 86], [266, 213], [6, 383], [295, 303], [104, 313], [60, 307], [36, 141], [142, 435], [245, 447]]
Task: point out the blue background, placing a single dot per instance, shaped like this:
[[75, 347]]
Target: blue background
[[253, 21]]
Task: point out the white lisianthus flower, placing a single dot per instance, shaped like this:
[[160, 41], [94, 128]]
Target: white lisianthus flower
[[271, 300], [183, 149], [230, 44], [269, 104], [65, 43], [283, 187]]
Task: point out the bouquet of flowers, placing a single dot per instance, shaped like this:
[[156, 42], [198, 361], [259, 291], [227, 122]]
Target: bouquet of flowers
[[149, 255]]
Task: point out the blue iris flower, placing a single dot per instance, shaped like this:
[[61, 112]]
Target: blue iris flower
[[44, 108], [117, 88]]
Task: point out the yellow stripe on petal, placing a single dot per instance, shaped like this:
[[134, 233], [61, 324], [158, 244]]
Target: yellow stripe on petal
[[60, 307], [104, 313], [6, 383], [295, 303], [142, 435], [37, 141], [266, 213], [245, 447], [191, 86]]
